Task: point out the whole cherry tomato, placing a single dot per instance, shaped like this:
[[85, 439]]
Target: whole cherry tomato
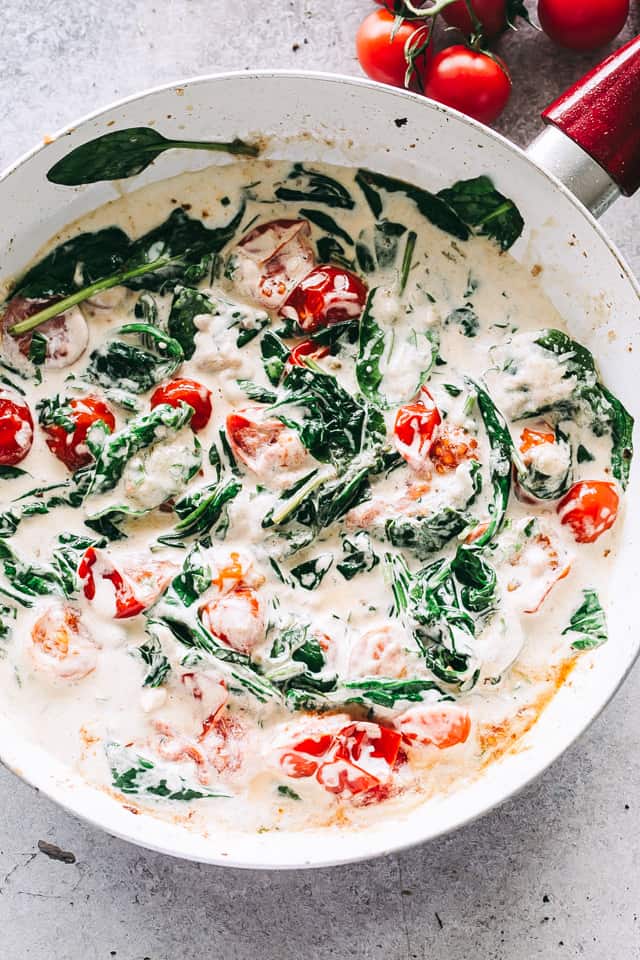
[[590, 508], [398, 55], [326, 296], [470, 81], [491, 14], [582, 24], [68, 441], [16, 428], [186, 391]]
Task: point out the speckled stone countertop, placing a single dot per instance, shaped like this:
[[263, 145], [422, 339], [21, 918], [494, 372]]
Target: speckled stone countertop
[[552, 873]]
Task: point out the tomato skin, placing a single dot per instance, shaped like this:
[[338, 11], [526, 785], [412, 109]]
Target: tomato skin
[[418, 418], [582, 24], [306, 350], [135, 589], [16, 428], [85, 411], [186, 391], [590, 508], [438, 725], [469, 81], [491, 14], [382, 49], [325, 296]]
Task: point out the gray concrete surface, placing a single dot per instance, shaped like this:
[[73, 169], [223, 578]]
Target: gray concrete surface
[[554, 872]]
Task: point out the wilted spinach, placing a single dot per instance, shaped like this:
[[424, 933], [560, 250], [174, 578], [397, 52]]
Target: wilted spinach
[[589, 623]]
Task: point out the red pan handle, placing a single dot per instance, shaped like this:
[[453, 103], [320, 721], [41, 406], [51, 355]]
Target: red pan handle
[[601, 113]]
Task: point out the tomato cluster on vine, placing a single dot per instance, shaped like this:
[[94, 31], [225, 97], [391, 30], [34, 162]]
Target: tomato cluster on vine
[[395, 45]]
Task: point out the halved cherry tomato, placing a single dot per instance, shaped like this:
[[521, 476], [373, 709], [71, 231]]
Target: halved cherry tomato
[[16, 428], [266, 447], [186, 391], [392, 52], [236, 619], [307, 350], [356, 759], [535, 438], [416, 423], [67, 335], [491, 14], [136, 587], [582, 24], [61, 645], [326, 296], [271, 259], [590, 508], [469, 81], [69, 445], [439, 724]]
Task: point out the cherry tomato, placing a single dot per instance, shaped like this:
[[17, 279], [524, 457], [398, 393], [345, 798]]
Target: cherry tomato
[[529, 439], [590, 508], [398, 55], [470, 81], [356, 759], [266, 447], [441, 725], [271, 259], [186, 391], [136, 587], [326, 296], [69, 445], [16, 428], [492, 15], [307, 350], [236, 619], [415, 424], [582, 24], [66, 335]]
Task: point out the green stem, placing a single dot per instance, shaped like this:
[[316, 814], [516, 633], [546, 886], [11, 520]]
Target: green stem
[[55, 309], [234, 147], [312, 484], [406, 260], [424, 14]]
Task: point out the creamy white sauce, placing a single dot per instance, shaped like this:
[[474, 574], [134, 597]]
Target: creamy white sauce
[[515, 654]]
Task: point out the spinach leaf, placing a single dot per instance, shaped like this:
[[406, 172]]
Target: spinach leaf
[[28, 580], [607, 413], [256, 392], [501, 449], [151, 654], [432, 207], [376, 344], [275, 354], [315, 187], [407, 257], [583, 455], [311, 573], [331, 250], [112, 451], [180, 250], [201, 513], [357, 555], [327, 223], [134, 368], [286, 791], [126, 153], [66, 558], [8, 615], [425, 536], [589, 623], [96, 254], [466, 318], [10, 473], [189, 303], [386, 234], [545, 486], [383, 692], [478, 578], [135, 774], [485, 210], [109, 522]]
